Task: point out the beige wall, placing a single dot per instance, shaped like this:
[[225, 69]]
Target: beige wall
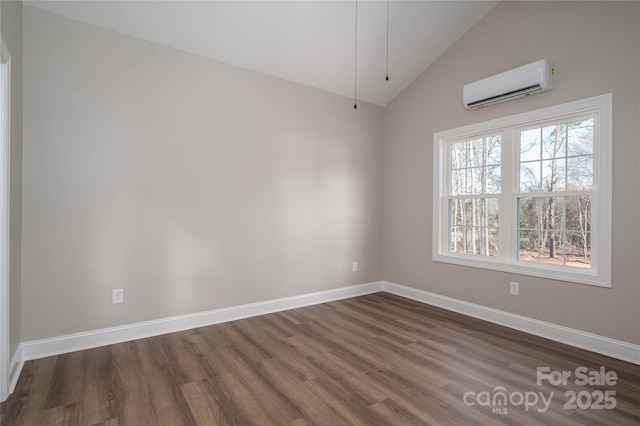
[[596, 47], [191, 184], [11, 26]]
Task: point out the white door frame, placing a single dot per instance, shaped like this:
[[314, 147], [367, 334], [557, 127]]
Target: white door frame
[[5, 120]]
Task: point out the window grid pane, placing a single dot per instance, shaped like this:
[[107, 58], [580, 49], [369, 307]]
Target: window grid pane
[[473, 226], [475, 166], [557, 157], [555, 230]]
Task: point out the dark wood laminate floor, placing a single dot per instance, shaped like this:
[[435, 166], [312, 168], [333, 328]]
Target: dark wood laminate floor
[[373, 360]]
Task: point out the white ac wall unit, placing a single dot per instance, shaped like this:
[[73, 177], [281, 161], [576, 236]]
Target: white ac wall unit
[[530, 79]]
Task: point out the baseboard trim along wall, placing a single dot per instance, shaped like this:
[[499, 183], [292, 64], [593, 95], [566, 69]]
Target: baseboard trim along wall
[[107, 336], [570, 336], [15, 368], [91, 339]]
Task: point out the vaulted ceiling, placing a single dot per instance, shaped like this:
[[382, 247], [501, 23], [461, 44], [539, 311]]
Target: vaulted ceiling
[[307, 42]]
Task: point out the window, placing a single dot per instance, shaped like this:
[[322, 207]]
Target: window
[[528, 194]]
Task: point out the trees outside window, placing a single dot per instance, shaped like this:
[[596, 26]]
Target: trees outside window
[[475, 183], [556, 170]]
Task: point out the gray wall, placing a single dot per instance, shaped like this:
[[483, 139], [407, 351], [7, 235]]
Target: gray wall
[[596, 47], [11, 26], [191, 184]]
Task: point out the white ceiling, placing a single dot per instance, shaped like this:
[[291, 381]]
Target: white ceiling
[[308, 42]]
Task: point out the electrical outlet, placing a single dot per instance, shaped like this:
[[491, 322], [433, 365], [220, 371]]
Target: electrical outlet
[[117, 296], [354, 267], [514, 288]]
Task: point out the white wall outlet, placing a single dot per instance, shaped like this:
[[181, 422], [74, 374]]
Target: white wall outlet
[[117, 296], [514, 288], [354, 267]]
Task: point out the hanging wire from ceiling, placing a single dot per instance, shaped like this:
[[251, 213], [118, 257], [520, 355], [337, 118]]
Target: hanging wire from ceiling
[[387, 77], [355, 64]]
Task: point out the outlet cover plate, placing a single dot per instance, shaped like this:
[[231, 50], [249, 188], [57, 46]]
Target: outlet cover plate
[[117, 296]]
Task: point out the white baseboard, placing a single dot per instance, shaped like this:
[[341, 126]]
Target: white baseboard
[[15, 368], [91, 339], [580, 339]]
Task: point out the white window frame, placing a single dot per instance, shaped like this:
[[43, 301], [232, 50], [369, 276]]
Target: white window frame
[[599, 274]]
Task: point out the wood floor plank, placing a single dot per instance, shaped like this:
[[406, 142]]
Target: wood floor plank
[[205, 351], [67, 374], [377, 359], [137, 409], [298, 363], [272, 398], [182, 356], [167, 401], [362, 383], [32, 392], [393, 413], [93, 407], [203, 404], [53, 416], [320, 411], [346, 404]]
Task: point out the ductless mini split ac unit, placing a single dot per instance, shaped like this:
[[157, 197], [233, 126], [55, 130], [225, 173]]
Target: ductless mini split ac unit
[[530, 79]]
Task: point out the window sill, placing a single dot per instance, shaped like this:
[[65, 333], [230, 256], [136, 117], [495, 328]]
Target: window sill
[[559, 273]]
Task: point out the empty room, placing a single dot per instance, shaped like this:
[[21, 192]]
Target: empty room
[[319, 212]]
